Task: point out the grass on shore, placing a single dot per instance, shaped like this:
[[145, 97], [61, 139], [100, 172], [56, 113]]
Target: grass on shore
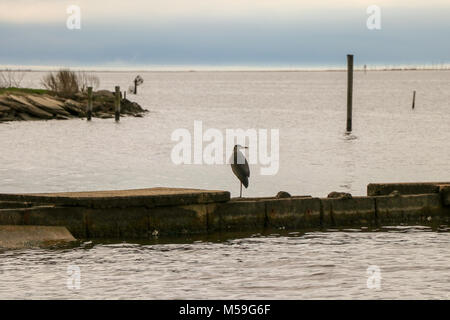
[[24, 91]]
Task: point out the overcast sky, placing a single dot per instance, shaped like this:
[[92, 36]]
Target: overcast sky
[[261, 33]]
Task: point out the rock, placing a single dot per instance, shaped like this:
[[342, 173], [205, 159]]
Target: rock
[[26, 117], [49, 104], [105, 93], [130, 107], [80, 96], [102, 115], [74, 108], [23, 106], [340, 195], [283, 194], [7, 118], [4, 109]]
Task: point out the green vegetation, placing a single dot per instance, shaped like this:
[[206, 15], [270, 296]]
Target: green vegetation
[[24, 91]]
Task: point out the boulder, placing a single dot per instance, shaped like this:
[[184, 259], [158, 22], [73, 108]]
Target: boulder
[[104, 93], [24, 106], [102, 115], [21, 105], [130, 107], [340, 195], [4, 109], [283, 194], [49, 104], [74, 108], [26, 117]]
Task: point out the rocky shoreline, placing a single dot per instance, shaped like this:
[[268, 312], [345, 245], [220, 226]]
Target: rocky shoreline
[[20, 105]]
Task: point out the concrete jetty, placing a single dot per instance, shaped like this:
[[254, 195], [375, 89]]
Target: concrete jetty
[[144, 213]]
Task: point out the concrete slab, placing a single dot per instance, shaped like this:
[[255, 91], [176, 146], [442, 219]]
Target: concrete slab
[[16, 237], [358, 211], [384, 189], [238, 216], [294, 213], [73, 218], [14, 204], [150, 198], [419, 208]]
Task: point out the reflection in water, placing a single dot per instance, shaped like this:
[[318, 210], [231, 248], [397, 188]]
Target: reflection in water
[[348, 162], [413, 263]]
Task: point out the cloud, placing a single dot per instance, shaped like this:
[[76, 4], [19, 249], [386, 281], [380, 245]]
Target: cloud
[[219, 32], [54, 11]]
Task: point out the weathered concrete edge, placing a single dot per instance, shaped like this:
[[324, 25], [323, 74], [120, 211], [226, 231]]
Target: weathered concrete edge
[[24, 236], [381, 189], [122, 202]]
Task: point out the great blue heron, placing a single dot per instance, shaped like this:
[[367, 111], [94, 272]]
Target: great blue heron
[[239, 165]]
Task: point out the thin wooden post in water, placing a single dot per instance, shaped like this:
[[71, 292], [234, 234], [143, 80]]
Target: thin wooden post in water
[[349, 91], [89, 105], [117, 104], [414, 99], [124, 95]]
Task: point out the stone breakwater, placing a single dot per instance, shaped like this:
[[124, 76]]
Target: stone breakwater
[[147, 213], [16, 106]]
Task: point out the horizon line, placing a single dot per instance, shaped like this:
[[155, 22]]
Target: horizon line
[[228, 68]]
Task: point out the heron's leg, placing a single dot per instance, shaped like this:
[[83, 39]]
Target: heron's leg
[[241, 191]]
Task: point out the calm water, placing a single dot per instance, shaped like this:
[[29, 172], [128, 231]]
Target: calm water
[[390, 142], [413, 263]]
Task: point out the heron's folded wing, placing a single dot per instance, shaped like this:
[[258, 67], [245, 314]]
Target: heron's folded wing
[[246, 169]]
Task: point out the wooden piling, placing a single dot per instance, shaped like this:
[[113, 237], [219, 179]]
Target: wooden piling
[[117, 104], [349, 91], [89, 105], [414, 99], [124, 95]]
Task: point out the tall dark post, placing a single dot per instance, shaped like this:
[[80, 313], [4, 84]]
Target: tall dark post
[[349, 91], [89, 105], [135, 85], [117, 104], [414, 99]]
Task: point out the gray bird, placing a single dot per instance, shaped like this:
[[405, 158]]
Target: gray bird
[[239, 165]]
